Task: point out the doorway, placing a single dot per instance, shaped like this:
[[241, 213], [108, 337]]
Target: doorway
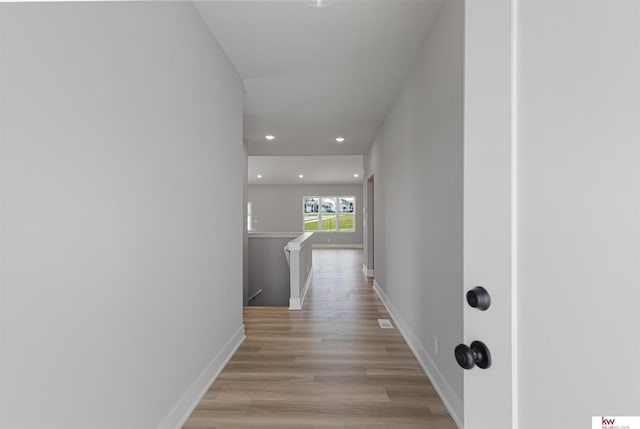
[[369, 263]]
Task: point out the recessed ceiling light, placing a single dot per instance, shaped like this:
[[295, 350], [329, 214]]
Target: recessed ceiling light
[[339, 139], [319, 3], [269, 137], [356, 175], [301, 175], [259, 176]]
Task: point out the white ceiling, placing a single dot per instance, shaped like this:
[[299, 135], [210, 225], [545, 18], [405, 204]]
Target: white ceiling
[[284, 170], [312, 75]]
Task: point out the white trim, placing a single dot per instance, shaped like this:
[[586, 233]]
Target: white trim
[[515, 418], [444, 389], [296, 303], [181, 411], [300, 241], [337, 213], [368, 272], [337, 246], [291, 235], [333, 231]]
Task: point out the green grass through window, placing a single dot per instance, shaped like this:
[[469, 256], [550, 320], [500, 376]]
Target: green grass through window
[[329, 222]]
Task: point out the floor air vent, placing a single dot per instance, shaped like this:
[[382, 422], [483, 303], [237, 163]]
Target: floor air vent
[[385, 324]]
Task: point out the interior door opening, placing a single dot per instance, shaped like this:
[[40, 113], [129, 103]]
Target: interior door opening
[[370, 229]]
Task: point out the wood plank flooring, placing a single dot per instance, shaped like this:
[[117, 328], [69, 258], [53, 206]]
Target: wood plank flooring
[[327, 366]]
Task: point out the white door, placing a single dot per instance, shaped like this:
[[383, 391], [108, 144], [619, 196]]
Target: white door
[[489, 212]]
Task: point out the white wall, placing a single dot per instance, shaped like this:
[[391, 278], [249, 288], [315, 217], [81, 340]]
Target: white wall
[[417, 162], [579, 232], [120, 273], [278, 208]]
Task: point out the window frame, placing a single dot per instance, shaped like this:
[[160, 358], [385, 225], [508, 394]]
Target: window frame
[[336, 199]]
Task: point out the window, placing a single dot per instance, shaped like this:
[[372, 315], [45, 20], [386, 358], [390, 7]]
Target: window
[[329, 213]]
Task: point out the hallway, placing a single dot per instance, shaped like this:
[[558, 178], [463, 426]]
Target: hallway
[[327, 366]]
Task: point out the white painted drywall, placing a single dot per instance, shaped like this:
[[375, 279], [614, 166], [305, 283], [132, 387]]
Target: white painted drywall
[[417, 160], [278, 208], [579, 229], [120, 216]]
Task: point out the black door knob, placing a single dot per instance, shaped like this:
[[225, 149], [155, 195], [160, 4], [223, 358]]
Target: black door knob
[[476, 354], [479, 298]]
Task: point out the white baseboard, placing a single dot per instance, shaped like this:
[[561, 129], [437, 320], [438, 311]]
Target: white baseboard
[[337, 246], [189, 401], [368, 272], [449, 398], [295, 303]]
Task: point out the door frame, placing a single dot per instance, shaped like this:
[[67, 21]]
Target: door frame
[[369, 228], [490, 209]]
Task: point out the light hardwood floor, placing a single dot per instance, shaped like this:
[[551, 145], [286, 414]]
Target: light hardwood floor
[[327, 366]]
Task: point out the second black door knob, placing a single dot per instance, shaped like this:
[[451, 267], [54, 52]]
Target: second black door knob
[[476, 354]]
